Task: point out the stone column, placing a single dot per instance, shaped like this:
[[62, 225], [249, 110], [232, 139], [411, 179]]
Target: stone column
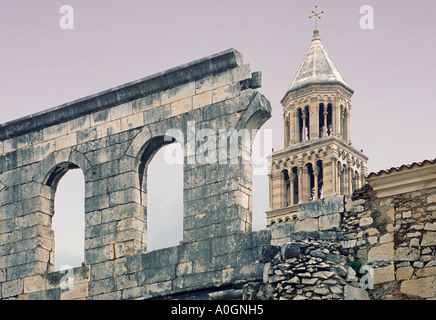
[[315, 179], [287, 132], [314, 121], [306, 184], [303, 129], [300, 183], [291, 187], [325, 130], [270, 191], [340, 178], [350, 179], [337, 121], [277, 187]]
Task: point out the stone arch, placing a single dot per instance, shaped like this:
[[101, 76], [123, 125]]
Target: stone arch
[[48, 191]]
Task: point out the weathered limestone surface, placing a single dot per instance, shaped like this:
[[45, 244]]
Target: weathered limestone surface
[[361, 245], [111, 136]]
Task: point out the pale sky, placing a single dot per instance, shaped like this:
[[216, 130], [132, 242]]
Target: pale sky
[[391, 68]]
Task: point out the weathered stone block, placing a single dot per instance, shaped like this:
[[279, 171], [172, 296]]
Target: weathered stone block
[[77, 292], [385, 274], [314, 209], [429, 239], [121, 111], [354, 293], [33, 284], [306, 225], [381, 253], [407, 254], [102, 286], [178, 93], [422, 288], [291, 250], [404, 273], [331, 221]]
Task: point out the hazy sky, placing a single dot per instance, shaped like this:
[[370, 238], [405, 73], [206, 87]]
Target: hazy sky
[[391, 68]]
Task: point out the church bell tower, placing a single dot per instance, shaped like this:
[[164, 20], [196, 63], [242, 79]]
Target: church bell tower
[[318, 160]]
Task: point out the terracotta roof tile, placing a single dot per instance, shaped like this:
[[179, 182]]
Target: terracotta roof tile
[[414, 164]]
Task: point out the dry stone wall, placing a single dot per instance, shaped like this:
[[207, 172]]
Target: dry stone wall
[[378, 249]]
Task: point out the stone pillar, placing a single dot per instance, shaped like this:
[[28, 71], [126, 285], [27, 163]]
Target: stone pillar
[[315, 179], [287, 132], [314, 121], [300, 183], [303, 129], [291, 187], [325, 114], [343, 129], [340, 178], [297, 128], [277, 190], [306, 184], [350, 180], [270, 191], [293, 129], [337, 121], [328, 169]]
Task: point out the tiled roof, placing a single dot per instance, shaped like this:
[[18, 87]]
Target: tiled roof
[[394, 169]]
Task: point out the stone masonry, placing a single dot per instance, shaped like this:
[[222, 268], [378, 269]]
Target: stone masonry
[[111, 136], [377, 242]]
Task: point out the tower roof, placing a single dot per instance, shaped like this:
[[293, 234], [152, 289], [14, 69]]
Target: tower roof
[[317, 68]]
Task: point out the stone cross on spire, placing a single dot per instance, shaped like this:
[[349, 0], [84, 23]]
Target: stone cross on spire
[[317, 16]]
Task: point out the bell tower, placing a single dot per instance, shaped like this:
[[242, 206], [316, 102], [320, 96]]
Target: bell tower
[[318, 160]]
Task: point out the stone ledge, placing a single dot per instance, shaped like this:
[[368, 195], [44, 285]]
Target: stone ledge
[[165, 80]]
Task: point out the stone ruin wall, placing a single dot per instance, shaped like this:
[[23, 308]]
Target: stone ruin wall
[[321, 255], [112, 136]]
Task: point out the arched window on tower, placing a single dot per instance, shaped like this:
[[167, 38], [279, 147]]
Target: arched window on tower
[[329, 119], [306, 123], [300, 123], [320, 178], [322, 121], [311, 182], [294, 188], [286, 186]]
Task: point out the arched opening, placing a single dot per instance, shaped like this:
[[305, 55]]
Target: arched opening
[[311, 181], [286, 186], [294, 185], [319, 177], [322, 120], [329, 119], [161, 180], [300, 123], [68, 222], [306, 123]]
